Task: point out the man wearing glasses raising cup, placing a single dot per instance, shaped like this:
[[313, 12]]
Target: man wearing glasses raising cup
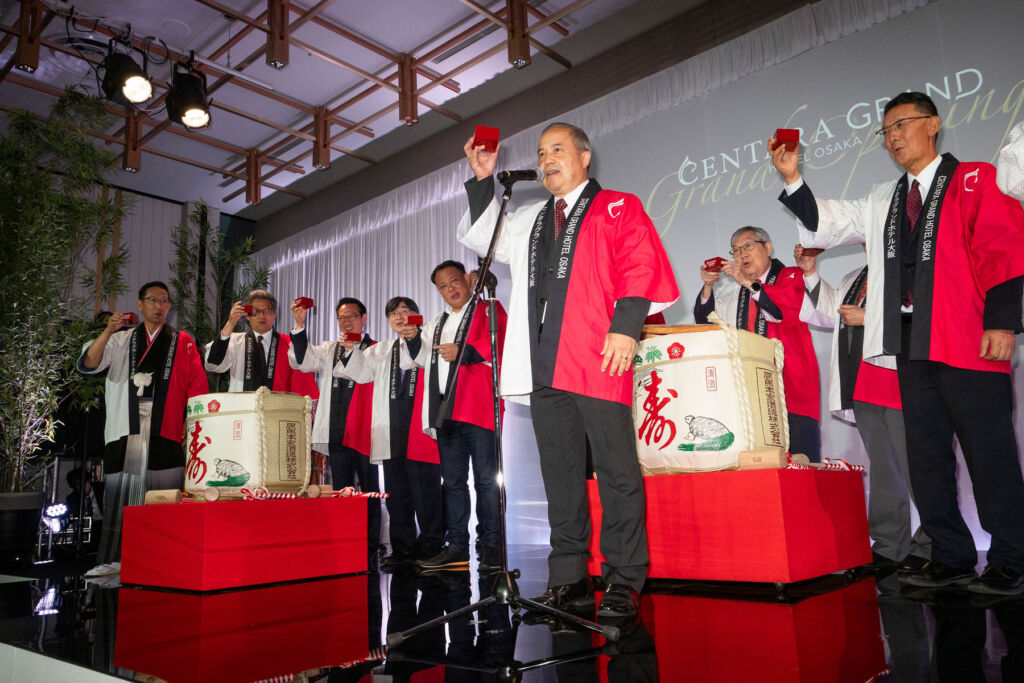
[[943, 245], [152, 370], [259, 357], [341, 427], [776, 302]]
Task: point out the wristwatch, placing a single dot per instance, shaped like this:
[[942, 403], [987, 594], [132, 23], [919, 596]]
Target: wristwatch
[[755, 286]]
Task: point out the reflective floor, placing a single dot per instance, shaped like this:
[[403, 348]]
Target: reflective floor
[[836, 628]]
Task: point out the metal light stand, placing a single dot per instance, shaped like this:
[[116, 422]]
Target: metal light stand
[[507, 671], [504, 590]]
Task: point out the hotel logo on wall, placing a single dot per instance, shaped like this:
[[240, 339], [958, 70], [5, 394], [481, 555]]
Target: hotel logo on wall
[[840, 139]]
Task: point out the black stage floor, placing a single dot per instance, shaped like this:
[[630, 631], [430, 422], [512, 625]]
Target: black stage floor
[[837, 628]]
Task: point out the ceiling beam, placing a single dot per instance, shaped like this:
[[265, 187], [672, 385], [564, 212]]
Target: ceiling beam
[[285, 129], [543, 49], [123, 113], [31, 22], [174, 157], [407, 110], [353, 37], [277, 38], [486, 54], [518, 34], [557, 16], [552, 20]]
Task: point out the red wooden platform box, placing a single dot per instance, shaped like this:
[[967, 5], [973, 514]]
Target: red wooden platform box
[[227, 544], [776, 526], [270, 633]]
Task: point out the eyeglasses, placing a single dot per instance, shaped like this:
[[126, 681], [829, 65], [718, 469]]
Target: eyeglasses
[[154, 300], [342, 318], [262, 311], [899, 124], [745, 247]]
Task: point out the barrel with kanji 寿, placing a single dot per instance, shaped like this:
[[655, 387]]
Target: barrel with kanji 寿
[[708, 397], [248, 439]]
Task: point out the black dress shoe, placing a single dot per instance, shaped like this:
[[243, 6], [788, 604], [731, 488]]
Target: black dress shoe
[[490, 560], [570, 596], [619, 601], [878, 565], [450, 558], [998, 580], [396, 560], [934, 574], [911, 563]]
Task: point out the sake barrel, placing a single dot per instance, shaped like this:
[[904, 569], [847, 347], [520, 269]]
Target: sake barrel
[[704, 394], [248, 439]]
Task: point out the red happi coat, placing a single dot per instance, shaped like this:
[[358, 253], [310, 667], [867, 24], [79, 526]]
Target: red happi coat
[[474, 389], [977, 240], [421, 446], [288, 379], [617, 254], [800, 377]]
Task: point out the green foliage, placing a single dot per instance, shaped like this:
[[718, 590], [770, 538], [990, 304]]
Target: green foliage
[[51, 213], [203, 274]]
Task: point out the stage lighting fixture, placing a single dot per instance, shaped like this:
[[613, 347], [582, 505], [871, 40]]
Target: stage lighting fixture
[[55, 510], [124, 77], [186, 100]]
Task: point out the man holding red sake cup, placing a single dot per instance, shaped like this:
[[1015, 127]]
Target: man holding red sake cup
[[763, 296], [341, 427], [944, 248], [587, 268], [412, 466], [259, 357], [152, 370]]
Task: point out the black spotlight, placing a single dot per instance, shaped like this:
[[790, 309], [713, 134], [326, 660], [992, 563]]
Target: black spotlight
[[124, 81], [186, 100]]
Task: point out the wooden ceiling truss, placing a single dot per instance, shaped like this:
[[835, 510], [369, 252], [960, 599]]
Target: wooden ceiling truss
[[321, 125]]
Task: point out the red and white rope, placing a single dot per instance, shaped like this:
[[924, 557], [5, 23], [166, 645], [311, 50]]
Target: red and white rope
[[348, 492], [261, 493], [373, 655], [832, 464]]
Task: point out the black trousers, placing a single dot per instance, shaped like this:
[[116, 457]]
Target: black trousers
[[349, 467], [563, 422], [805, 436], [938, 402], [414, 495]]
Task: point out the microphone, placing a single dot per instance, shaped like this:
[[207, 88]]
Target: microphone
[[509, 177]]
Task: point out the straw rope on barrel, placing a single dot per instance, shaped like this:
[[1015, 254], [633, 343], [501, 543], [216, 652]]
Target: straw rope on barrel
[[733, 342], [780, 361]]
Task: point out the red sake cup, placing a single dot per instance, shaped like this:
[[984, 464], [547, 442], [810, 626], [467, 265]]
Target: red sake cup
[[414, 319], [304, 302], [714, 265], [789, 137]]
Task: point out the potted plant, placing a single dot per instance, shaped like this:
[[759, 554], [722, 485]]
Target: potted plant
[[53, 211]]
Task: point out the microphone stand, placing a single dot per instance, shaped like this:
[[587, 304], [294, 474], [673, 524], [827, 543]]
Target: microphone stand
[[504, 590]]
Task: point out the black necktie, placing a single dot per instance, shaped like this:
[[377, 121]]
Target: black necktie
[[261, 358], [914, 204], [559, 217]]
